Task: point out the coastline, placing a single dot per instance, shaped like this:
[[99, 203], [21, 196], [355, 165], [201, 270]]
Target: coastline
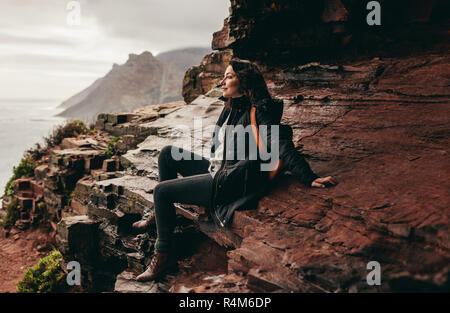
[[23, 123]]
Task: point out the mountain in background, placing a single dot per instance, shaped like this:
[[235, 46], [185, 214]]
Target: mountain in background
[[183, 59], [143, 80]]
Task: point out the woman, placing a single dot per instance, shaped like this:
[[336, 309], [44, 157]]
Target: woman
[[224, 183]]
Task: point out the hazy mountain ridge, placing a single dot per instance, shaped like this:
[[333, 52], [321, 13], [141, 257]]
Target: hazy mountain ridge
[[143, 80], [81, 95], [183, 58]]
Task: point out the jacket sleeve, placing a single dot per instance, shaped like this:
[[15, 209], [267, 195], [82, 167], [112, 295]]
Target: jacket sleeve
[[265, 118], [295, 162], [292, 159]]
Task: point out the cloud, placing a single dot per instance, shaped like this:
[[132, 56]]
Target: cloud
[[163, 24], [35, 38]]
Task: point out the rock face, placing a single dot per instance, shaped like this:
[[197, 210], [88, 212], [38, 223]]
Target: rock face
[[143, 80], [378, 125], [299, 31], [280, 34], [200, 79], [47, 196], [363, 123]]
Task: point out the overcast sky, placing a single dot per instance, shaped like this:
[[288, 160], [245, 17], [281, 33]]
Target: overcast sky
[[42, 56]]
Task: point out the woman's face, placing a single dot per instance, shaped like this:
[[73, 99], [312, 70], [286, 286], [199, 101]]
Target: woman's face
[[230, 84]]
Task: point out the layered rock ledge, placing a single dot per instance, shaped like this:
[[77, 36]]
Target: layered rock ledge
[[385, 142], [378, 123]]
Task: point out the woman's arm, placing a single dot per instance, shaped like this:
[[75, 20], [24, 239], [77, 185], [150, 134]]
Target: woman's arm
[[292, 159], [295, 162]]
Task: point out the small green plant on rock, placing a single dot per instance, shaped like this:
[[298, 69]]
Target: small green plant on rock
[[92, 129], [70, 197], [25, 168], [46, 276], [41, 209], [111, 147], [70, 129], [12, 214]]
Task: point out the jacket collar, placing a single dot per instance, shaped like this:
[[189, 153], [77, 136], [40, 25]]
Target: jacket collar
[[241, 102]]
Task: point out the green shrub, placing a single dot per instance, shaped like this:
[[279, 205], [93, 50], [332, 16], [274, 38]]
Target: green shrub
[[25, 168], [46, 276], [111, 147], [92, 128], [70, 197], [69, 129], [36, 153], [42, 212], [12, 214]]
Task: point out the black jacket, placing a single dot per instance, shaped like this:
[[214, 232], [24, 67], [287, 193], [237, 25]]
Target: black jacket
[[240, 183]]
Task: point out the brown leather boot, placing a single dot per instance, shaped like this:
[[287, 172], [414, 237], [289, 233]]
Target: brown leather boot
[[159, 264], [143, 225]]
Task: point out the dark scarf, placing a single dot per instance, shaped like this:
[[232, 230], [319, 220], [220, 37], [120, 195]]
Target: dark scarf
[[239, 103]]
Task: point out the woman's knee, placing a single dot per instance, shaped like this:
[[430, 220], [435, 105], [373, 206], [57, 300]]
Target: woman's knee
[[158, 191], [165, 151], [164, 154]]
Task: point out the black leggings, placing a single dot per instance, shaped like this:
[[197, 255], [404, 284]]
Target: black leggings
[[194, 187]]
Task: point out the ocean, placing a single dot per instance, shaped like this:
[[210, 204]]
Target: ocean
[[23, 123]]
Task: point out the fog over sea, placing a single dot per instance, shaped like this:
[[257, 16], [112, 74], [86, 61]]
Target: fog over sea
[[22, 124]]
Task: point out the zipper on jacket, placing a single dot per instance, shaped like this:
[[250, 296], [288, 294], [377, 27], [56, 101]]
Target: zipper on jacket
[[217, 185], [222, 166], [219, 172], [220, 221]]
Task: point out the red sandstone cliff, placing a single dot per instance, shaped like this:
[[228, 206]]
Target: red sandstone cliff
[[372, 111]]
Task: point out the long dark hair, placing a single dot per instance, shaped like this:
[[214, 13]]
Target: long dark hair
[[251, 81]]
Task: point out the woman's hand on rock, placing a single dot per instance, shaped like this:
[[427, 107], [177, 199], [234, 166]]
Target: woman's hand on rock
[[322, 182]]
